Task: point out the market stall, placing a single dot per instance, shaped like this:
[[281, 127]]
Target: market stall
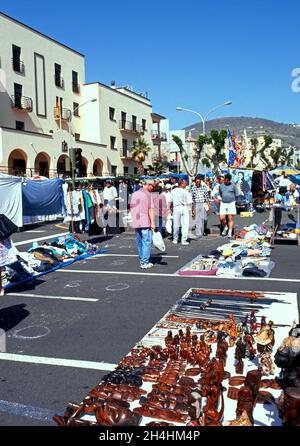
[[208, 361], [43, 259], [246, 256]]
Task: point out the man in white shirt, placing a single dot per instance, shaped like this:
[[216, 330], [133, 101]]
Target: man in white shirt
[[181, 205], [110, 195], [284, 181]]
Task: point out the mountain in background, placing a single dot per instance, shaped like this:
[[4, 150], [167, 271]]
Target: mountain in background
[[288, 133]]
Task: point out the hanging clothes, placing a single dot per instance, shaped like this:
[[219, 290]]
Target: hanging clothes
[[11, 198], [42, 197]]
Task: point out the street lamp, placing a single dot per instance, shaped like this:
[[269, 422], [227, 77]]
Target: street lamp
[[203, 119]]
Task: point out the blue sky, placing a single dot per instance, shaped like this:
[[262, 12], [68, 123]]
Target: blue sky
[[193, 53]]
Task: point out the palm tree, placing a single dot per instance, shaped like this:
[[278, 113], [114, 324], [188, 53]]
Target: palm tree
[[138, 152]]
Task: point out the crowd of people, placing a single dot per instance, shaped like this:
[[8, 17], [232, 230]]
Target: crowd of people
[[184, 207]]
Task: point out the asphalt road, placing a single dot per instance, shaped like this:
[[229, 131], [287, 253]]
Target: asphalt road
[[120, 303]]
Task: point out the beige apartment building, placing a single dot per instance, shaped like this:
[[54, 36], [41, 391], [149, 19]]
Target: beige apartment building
[[46, 108]]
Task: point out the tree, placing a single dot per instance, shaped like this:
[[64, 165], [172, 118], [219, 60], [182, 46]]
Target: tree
[[254, 146], [217, 157], [156, 168], [139, 152], [191, 170], [267, 142]]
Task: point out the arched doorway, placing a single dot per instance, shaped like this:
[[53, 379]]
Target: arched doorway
[[98, 167], [41, 164], [63, 165], [17, 162]]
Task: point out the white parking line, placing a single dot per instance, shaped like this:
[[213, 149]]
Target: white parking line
[[58, 362], [133, 255], [24, 242], [35, 230], [130, 273], [42, 296]]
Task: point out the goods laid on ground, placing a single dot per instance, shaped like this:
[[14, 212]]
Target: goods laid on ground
[[207, 362], [246, 256], [42, 259]]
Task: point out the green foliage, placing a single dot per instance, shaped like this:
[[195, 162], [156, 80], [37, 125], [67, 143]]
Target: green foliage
[[206, 162], [138, 152], [217, 139]]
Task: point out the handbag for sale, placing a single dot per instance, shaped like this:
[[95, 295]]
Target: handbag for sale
[[158, 241], [7, 227]]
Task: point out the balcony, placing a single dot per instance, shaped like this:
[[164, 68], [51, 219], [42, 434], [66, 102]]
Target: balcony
[[21, 103], [159, 136], [18, 66], [130, 127], [125, 154], [64, 114], [59, 81]]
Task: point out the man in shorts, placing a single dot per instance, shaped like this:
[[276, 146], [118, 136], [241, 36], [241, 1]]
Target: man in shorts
[[228, 194]]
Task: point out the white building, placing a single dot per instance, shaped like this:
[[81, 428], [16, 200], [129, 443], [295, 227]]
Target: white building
[[46, 108]]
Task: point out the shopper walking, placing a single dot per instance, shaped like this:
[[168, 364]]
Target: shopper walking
[[228, 195], [181, 205], [143, 221], [215, 194], [201, 204]]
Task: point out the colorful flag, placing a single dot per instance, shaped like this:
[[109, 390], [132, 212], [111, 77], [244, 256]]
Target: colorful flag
[[231, 149]]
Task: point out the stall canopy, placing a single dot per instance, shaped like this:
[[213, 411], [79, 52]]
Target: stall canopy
[[295, 179], [11, 198], [287, 169], [42, 197]]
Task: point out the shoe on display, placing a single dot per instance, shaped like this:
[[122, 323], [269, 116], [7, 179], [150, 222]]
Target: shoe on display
[[185, 243], [175, 242]]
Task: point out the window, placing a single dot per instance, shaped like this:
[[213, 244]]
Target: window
[[114, 170], [20, 125], [123, 120], [16, 59], [58, 107], [77, 136], [135, 171], [144, 125], [113, 143], [125, 170], [75, 85], [133, 123], [75, 109], [18, 95], [57, 76], [124, 147], [112, 114]]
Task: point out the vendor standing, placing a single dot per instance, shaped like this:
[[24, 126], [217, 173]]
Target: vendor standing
[[228, 194]]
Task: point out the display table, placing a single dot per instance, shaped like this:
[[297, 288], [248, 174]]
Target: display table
[[168, 377]]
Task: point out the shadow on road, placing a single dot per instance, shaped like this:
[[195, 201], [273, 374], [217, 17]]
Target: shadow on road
[[12, 316]]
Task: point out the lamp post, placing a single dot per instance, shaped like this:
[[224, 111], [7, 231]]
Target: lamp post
[[203, 119], [71, 134]]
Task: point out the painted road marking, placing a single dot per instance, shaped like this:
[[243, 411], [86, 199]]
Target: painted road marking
[[40, 238], [133, 255], [38, 413], [35, 231], [41, 296], [58, 362], [130, 273]]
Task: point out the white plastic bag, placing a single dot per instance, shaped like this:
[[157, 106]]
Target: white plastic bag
[[158, 241], [169, 225]]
